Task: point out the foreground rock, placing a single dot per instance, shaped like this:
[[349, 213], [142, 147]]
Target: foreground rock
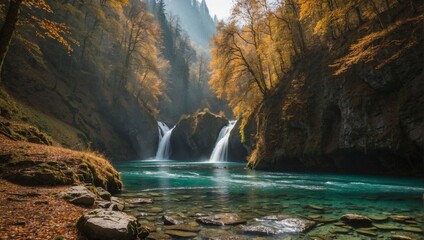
[[276, 224], [79, 195], [356, 220], [105, 195], [108, 225], [221, 219]]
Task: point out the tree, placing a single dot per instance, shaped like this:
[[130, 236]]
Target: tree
[[46, 28]]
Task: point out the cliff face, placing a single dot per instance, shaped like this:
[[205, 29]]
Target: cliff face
[[194, 137], [74, 98], [368, 120]]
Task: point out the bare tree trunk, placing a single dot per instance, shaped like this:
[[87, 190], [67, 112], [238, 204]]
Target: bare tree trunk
[[7, 30]]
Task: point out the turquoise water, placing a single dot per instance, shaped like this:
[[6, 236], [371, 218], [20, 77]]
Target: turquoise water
[[186, 188]]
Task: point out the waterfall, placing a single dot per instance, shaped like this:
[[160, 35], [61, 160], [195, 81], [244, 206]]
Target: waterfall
[[164, 149], [220, 152]]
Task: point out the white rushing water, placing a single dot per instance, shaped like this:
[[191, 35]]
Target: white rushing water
[[164, 148], [220, 152]]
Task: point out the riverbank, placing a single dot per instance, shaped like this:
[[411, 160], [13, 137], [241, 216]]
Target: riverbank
[[31, 176], [36, 213]]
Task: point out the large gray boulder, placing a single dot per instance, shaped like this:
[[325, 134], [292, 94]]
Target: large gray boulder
[[79, 195], [108, 225]]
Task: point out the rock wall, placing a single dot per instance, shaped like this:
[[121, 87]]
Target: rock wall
[[137, 125], [366, 121], [194, 137]]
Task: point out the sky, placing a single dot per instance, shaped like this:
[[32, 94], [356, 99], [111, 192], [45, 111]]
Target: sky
[[221, 8]]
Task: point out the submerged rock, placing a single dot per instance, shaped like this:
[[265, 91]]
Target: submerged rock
[[107, 225], [221, 219], [356, 220], [217, 234], [277, 224], [170, 220], [158, 236], [183, 227], [400, 237], [180, 234]]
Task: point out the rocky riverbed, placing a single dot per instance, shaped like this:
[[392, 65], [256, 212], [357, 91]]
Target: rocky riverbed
[[167, 216]]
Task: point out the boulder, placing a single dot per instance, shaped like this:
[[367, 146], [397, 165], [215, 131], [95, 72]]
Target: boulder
[[221, 219], [170, 220], [105, 195], [108, 225], [79, 195], [194, 137], [118, 204], [219, 234], [180, 234], [276, 224], [356, 220], [183, 227]]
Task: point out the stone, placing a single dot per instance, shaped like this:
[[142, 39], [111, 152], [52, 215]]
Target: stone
[[401, 218], [386, 227], [180, 234], [104, 204], [141, 201], [218, 234], [84, 200], [150, 226], [143, 232], [315, 207], [153, 210], [413, 229], [325, 220], [277, 224], [366, 232], [221, 219], [339, 230], [158, 236], [378, 218], [171, 220], [400, 237], [107, 225], [79, 195], [118, 204], [183, 227], [257, 229], [105, 195], [356, 220]]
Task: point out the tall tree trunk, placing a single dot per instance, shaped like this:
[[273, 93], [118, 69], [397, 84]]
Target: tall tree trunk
[[7, 30]]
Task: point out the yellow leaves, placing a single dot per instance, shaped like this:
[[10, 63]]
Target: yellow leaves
[[37, 4], [376, 45], [55, 31]]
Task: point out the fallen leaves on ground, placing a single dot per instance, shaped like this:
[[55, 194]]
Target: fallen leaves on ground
[[36, 213]]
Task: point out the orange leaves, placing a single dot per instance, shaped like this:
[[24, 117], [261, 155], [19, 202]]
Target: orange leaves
[[56, 31], [38, 4]]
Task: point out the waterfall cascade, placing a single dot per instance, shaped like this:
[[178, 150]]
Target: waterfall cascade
[[220, 152], [164, 148]]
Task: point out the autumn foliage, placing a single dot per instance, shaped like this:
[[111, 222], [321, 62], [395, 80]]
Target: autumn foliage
[[253, 51]]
